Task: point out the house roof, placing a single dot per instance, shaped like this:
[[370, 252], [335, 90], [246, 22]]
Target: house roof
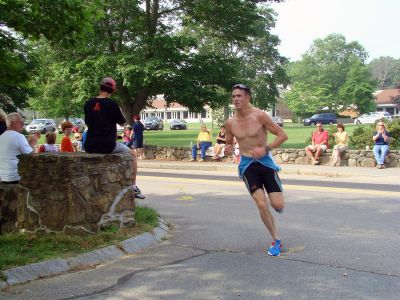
[[388, 96], [161, 104]]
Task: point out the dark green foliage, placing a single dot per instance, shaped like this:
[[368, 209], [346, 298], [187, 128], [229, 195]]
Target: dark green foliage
[[61, 22], [163, 47], [330, 77]]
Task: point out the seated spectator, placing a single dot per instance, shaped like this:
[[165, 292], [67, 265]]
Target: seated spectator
[[236, 152], [3, 126], [13, 143], [203, 143], [77, 141], [342, 142], [127, 136], [319, 140], [220, 142], [381, 138], [66, 144], [50, 143]]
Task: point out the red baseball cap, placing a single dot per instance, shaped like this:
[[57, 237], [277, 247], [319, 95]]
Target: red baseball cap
[[109, 82]]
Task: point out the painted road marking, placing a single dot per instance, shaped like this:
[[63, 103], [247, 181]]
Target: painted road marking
[[288, 187]]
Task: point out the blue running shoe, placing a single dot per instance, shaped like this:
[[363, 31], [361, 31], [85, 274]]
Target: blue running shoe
[[275, 249]]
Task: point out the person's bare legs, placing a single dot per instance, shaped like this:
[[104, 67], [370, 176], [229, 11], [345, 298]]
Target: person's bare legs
[[263, 206], [310, 154], [134, 165], [318, 153]]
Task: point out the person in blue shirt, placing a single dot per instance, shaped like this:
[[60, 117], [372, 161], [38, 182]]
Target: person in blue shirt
[[381, 138], [137, 137]]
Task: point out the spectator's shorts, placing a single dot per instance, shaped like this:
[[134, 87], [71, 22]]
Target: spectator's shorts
[[258, 176], [314, 148], [120, 148], [137, 143]]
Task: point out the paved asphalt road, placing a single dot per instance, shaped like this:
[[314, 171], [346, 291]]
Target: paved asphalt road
[[342, 242]]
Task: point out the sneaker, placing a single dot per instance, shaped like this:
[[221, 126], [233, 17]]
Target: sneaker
[[275, 249], [201, 160], [192, 160], [138, 193]]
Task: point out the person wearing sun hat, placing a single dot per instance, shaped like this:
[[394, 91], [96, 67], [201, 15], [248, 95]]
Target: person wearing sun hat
[[102, 115]]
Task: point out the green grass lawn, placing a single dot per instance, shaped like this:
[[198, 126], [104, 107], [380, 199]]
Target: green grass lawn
[[297, 134]]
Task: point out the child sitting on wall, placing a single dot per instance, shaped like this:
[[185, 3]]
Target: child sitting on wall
[[66, 144]]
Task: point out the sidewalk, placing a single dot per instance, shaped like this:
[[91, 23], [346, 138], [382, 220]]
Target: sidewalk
[[290, 169]]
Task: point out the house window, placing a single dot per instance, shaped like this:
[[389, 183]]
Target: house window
[[390, 110], [169, 117], [185, 114], [203, 114]]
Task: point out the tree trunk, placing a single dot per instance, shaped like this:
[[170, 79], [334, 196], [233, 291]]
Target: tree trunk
[[132, 107], [226, 112]]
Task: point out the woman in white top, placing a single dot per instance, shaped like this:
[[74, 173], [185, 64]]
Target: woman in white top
[[342, 142]]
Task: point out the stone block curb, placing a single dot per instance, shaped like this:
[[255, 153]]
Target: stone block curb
[[94, 257], [52, 267], [35, 271], [138, 243]]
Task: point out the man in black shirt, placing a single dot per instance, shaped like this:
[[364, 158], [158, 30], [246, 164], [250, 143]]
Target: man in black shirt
[[102, 116]]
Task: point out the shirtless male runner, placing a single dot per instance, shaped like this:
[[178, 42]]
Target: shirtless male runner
[[257, 168]]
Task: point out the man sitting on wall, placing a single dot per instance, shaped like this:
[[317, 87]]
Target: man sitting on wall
[[102, 116], [13, 143], [319, 140]]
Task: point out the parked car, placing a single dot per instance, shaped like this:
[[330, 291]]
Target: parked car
[[324, 118], [153, 123], [178, 124], [41, 125], [77, 122], [277, 120], [373, 117]]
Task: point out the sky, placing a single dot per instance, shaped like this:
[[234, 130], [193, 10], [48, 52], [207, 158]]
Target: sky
[[373, 23]]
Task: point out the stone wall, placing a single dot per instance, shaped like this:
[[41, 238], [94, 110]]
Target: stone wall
[[353, 158], [73, 193]]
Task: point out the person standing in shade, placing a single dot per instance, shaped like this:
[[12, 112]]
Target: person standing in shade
[[101, 117], [250, 126], [381, 138], [137, 137], [13, 143], [203, 143]]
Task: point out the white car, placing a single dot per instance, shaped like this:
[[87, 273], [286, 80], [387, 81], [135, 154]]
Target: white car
[[373, 117], [41, 125]]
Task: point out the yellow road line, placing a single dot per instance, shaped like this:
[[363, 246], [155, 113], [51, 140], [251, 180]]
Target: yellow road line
[[289, 187]]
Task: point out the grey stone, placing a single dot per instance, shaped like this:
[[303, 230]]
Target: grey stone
[[138, 243], [3, 284], [159, 233], [94, 257], [368, 162], [35, 271]]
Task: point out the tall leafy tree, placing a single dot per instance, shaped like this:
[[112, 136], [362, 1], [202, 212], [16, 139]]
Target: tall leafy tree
[[319, 79], [141, 45], [59, 21], [385, 71]]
